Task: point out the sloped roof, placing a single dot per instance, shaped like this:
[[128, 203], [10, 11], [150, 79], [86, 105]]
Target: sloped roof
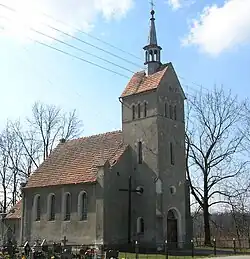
[[76, 161], [140, 82], [15, 212]]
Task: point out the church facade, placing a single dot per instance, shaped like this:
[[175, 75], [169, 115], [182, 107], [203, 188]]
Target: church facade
[[81, 190]]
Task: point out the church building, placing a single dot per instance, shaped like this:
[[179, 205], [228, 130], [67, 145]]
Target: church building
[[120, 186]]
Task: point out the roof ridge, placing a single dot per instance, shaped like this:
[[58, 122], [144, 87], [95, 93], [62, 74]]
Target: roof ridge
[[95, 135]]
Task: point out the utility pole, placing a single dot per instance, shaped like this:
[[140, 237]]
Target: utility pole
[[138, 190]]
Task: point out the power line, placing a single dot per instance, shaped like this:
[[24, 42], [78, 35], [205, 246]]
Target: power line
[[76, 38], [74, 56], [91, 36], [105, 60], [92, 45], [79, 58], [74, 47]]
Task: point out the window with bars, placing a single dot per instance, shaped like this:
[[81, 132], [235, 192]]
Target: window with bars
[[83, 207]]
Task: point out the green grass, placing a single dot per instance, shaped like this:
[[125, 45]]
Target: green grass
[[156, 256]]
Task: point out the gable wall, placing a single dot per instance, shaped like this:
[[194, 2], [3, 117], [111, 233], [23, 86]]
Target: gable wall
[[116, 202]]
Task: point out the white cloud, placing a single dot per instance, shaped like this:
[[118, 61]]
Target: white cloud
[[175, 4], [221, 28], [75, 14]]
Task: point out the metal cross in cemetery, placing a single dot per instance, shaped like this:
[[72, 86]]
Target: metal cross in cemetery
[[64, 241], [138, 190]]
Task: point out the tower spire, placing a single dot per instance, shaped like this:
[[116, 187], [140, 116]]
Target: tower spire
[[152, 50]]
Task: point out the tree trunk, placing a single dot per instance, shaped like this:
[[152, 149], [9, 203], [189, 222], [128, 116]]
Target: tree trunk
[[207, 241]]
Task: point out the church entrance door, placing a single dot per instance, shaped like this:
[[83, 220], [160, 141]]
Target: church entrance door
[[172, 230]]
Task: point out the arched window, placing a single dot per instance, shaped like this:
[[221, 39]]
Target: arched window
[[166, 110], [37, 207], [175, 113], [170, 111], [140, 225], [133, 112], [67, 206], [139, 110], [171, 153], [51, 206], [82, 206], [155, 55], [145, 109], [151, 55]]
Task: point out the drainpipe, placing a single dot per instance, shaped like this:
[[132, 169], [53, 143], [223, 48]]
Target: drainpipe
[[22, 213]]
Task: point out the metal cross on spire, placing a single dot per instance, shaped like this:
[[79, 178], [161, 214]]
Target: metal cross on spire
[[152, 4]]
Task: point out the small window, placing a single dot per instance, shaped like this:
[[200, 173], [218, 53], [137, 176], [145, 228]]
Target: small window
[[67, 206], [139, 110], [140, 225], [145, 109], [51, 207], [166, 110], [170, 112], [171, 154], [139, 152], [175, 113], [82, 206], [133, 112]]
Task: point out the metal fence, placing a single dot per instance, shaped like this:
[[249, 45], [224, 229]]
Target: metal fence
[[134, 251]]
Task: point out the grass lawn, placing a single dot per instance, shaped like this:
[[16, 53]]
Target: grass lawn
[[156, 256]]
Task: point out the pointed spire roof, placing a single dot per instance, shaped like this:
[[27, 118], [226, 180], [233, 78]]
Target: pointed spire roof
[[152, 40]]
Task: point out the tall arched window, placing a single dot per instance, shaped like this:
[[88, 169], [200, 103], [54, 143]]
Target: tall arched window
[[145, 109], [139, 110], [172, 160], [67, 206], [140, 225], [51, 206], [37, 207], [82, 206], [133, 112], [175, 113], [165, 109], [170, 111]]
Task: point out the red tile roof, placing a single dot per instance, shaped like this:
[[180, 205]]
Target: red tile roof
[[15, 212], [140, 82], [76, 161]]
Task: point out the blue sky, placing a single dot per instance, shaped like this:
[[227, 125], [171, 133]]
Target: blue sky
[[216, 51]]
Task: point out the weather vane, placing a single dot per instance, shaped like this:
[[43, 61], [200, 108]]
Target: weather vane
[[152, 4]]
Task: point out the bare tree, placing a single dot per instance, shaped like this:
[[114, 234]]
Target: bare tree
[[213, 145], [47, 125]]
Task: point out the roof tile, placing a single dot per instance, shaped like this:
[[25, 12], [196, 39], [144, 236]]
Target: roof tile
[[140, 82], [15, 212], [76, 161]]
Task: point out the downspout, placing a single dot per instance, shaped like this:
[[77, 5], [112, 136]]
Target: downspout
[[22, 213]]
